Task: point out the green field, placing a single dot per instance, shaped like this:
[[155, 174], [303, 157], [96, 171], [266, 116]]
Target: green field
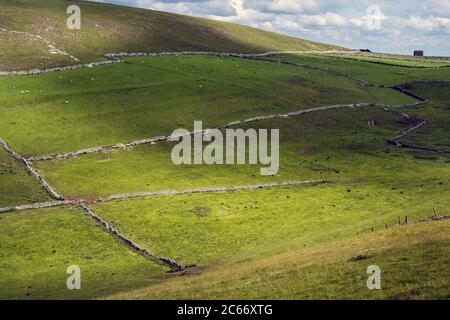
[[376, 74], [38, 246], [147, 97], [411, 258], [16, 187], [395, 60], [290, 242], [203, 229], [330, 144]]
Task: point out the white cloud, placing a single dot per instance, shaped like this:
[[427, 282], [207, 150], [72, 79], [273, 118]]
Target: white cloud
[[405, 24], [327, 19], [430, 23]]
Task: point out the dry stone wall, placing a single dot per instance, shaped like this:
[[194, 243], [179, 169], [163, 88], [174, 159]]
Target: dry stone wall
[[212, 189], [434, 218], [57, 69], [115, 58], [39, 205], [31, 171], [132, 144], [175, 266]]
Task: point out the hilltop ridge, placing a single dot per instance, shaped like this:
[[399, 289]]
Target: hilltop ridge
[[34, 34]]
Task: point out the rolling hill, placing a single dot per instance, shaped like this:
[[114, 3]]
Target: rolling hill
[[364, 156], [31, 29]]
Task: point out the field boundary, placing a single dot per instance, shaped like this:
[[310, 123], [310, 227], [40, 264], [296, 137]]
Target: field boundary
[[387, 63], [175, 266], [32, 172], [434, 218], [131, 144], [37, 205], [49, 204], [212, 189], [115, 58]]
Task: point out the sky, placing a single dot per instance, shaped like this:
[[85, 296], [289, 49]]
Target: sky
[[390, 26]]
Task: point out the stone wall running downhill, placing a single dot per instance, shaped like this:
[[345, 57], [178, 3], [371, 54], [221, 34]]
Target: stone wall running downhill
[[31, 171], [406, 132], [175, 266], [403, 90]]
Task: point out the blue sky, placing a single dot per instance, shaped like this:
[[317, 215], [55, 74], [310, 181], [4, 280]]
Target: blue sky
[[395, 26]]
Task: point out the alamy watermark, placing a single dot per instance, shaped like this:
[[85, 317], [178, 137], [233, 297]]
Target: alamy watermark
[[374, 280], [74, 280], [74, 20], [241, 147], [374, 17]]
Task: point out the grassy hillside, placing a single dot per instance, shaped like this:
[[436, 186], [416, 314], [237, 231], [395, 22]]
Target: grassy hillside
[[413, 260], [16, 187], [333, 144], [39, 245], [202, 229], [152, 96], [107, 28], [279, 242]]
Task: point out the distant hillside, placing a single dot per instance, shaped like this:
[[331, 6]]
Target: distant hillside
[[33, 34]]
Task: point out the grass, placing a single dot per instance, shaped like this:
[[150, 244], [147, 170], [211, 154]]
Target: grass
[[331, 144], [395, 60], [284, 243], [413, 260], [109, 28], [375, 74], [278, 219], [435, 133], [39, 245], [16, 186], [27, 53], [148, 97]]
